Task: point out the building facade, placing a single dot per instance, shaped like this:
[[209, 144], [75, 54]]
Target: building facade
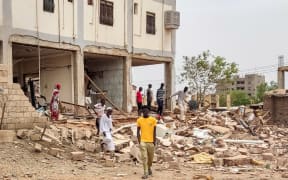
[[248, 84], [58, 41]]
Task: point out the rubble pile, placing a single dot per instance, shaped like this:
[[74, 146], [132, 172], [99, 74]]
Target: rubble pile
[[217, 140]]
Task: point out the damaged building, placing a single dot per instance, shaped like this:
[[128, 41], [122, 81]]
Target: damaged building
[[53, 41]]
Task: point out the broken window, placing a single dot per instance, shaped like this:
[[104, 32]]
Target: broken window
[[90, 2], [106, 13], [150, 23], [48, 6]]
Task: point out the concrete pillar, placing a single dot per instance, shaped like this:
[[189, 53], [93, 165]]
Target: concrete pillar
[[7, 58], [79, 91], [228, 101], [127, 86], [217, 101], [169, 83], [281, 79]]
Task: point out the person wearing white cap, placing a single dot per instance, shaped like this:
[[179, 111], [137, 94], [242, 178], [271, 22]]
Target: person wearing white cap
[[106, 130]]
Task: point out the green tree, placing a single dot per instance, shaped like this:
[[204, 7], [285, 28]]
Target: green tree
[[202, 72], [239, 98], [264, 87]]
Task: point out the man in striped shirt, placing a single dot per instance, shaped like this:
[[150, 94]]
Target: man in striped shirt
[[160, 96]]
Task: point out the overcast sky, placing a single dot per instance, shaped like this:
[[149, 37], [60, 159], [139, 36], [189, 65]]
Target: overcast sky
[[252, 33]]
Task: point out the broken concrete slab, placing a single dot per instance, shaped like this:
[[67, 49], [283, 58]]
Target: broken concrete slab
[[237, 160], [35, 137], [7, 136], [77, 156], [135, 152], [268, 156], [22, 133]]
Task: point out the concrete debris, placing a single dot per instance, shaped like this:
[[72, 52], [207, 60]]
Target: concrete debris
[[7, 136], [37, 147], [219, 139], [77, 156]]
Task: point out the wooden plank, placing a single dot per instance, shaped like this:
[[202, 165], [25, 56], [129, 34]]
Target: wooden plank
[[106, 97]]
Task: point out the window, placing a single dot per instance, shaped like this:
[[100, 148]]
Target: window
[[48, 6], [90, 2], [150, 23], [135, 8], [106, 13]]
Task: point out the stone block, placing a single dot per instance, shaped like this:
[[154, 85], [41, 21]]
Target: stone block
[[7, 136], [22, 133], [10, 126], [237, 160], [27, 114], [90, 147], [35, 137], [37, 147], [268, 156], [77, 156]]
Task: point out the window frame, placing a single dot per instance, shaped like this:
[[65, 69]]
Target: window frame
[[90, 2], [47, 7], [106, 13], [150, 23]]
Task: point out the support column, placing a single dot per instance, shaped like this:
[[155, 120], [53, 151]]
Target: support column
[[169, 82], [127, 87], [7, 58], [79, 92], [281, 79]]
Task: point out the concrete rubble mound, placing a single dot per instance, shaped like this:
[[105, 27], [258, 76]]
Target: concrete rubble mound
[[206, 139]]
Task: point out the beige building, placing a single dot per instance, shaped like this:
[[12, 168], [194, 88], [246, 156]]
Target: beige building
[[248, 83], [56, 41]]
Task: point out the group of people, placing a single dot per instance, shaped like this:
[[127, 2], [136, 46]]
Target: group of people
[[160, 99]]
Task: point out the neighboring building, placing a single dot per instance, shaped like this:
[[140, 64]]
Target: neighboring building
[[58, 40], [248, 84]]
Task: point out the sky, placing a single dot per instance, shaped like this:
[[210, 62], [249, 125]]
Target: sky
[[252, 33]]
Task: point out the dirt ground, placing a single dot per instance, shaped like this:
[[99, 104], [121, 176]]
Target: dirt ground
[[18, 161]]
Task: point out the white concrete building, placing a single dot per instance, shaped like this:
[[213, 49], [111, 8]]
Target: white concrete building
[[57, 40]]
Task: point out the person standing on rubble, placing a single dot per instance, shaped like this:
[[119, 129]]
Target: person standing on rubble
[[181, 101], [160, 96], [99, 108], [146, 134], [139, 100], [106, 130], [55, 102], [149, 94]]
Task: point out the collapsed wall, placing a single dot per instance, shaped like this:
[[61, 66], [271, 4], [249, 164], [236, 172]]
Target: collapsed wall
[[277, 104], [18, 113]]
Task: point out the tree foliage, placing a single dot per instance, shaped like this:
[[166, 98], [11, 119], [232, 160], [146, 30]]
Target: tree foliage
[[264, 87], [239, 98], [202, 72]]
